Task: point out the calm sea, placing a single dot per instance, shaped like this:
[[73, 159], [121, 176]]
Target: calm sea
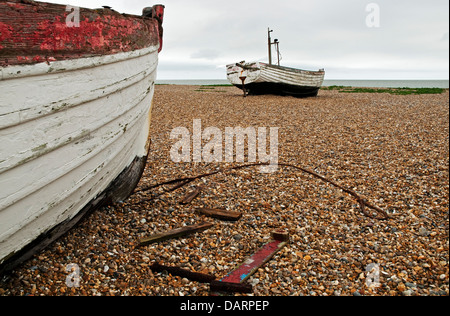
[[349, 83]]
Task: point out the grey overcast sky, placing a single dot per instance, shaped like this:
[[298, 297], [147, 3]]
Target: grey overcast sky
[[408, 39]]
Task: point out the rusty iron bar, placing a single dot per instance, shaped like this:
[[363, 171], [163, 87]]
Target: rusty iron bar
[[176, 271], [191, 196], [215, 285]]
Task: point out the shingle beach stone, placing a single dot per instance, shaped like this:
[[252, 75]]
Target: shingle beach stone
[[391, 149]]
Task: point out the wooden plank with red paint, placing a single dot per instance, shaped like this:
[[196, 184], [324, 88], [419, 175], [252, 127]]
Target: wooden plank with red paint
[[252, 264]]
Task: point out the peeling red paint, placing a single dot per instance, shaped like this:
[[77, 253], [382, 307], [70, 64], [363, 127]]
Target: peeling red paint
[[158, 13], [22, 58], [37, 30], [5, 33], [243, 271], [16, 5], [37, 59], [95, 35]]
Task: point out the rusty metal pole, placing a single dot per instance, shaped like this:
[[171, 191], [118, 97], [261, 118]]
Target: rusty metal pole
[[270, 45], [278, 50]]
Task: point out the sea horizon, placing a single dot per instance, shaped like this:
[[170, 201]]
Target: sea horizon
[[443, 84]]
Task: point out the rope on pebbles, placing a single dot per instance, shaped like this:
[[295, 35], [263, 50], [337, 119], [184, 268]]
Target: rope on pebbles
[[375, 213]]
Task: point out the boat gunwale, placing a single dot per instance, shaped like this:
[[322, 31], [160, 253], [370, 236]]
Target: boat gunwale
[[71, 104], [60, 66], [296, 70]]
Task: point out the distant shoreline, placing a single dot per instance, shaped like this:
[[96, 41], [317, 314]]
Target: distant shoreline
[[443, 84]]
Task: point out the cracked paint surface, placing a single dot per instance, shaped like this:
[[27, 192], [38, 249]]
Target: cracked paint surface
[[38, 32]]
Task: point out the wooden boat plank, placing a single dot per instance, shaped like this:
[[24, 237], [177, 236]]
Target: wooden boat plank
[[55, 200], [51, 132], [95, 82], [93, 139], [175, 233]]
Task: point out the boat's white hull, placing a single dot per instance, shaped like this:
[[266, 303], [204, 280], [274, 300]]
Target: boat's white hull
[[67, 130], [261, 78]]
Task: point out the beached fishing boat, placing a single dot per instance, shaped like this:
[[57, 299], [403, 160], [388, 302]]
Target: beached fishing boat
[[263, 78], [76, 91]]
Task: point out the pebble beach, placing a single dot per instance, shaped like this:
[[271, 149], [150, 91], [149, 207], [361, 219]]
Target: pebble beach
[[391, 149]]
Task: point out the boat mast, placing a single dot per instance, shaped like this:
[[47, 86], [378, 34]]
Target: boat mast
[[276, 43], [270, 45]]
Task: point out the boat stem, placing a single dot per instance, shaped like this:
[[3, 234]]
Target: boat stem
[[243, 85]]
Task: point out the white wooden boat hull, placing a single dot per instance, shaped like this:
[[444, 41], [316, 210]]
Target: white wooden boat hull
[[75, 112], [64, 149], [261, 78]]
